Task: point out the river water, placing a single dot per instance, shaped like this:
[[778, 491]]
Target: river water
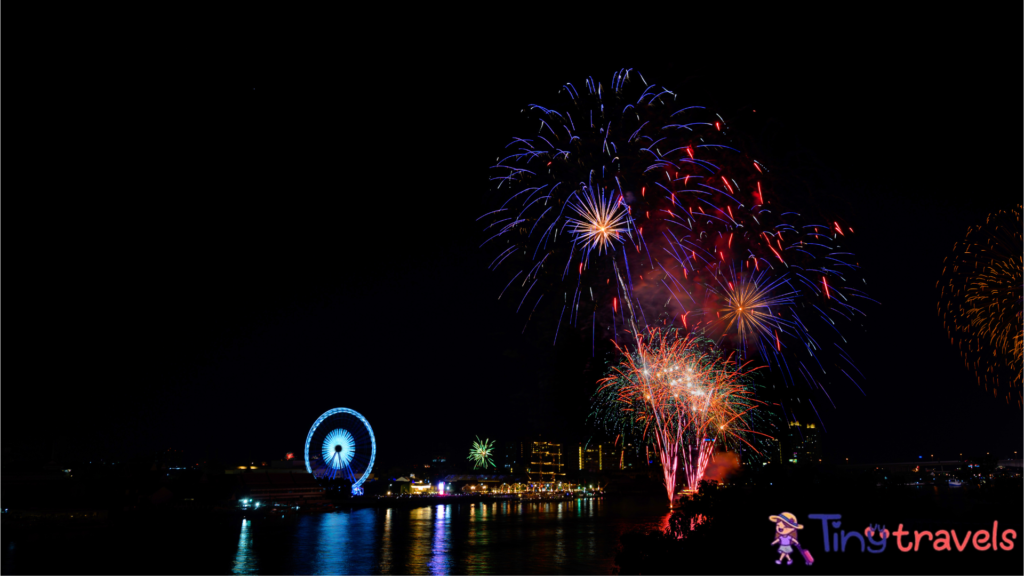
[[497, 538], [574, 537]]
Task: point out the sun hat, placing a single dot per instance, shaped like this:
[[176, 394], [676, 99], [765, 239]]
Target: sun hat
[[787, 519]]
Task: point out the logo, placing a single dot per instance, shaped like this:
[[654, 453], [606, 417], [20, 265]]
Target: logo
[[786, 527], [874, 538]]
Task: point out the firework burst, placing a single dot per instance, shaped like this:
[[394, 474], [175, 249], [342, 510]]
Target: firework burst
[[630, 209], [481, 453], [600, 224], [980, 301], [749, 307], [759, 278], [683, 396], [573, 215]]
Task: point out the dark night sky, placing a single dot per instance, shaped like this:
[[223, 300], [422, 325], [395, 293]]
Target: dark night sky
[[213, 251]]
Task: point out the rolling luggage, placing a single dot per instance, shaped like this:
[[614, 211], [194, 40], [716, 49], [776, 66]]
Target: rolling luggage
[[807, 555]]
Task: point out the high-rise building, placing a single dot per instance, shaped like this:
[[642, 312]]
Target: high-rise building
[[599, 457], [544, 464], [631, 457], [510, 458], [591, 457], [801, 443]]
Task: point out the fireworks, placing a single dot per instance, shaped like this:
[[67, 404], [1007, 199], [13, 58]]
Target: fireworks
[[626, 211], [601, 222], [750, 307], [980, 301], [682, 394], [756, 275], [481, 452], [634, 209], [572, 199]]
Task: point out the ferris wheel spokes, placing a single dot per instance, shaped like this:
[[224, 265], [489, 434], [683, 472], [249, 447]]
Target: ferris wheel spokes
[[341, 446]]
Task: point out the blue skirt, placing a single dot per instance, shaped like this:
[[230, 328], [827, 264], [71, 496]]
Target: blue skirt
[[785, 549]]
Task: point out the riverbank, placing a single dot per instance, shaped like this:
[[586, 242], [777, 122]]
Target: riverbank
[[59, 518]]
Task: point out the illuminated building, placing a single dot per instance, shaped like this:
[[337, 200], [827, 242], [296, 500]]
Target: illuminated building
[[597, 458], [544, 464], [801, 443], [631, 457], [423, 487], [481, 483]]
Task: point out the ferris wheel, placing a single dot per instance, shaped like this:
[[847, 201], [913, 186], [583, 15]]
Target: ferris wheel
[[340, 446]]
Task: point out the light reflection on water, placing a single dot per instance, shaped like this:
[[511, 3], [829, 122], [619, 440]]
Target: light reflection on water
[[385, 544], [335, 543], [439, 552], [560, 537], [506, 537], [245, 562]]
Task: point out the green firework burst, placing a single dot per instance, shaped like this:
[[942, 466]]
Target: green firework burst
[[481, 452]]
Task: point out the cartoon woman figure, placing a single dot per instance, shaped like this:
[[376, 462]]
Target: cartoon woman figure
[[785, 535]]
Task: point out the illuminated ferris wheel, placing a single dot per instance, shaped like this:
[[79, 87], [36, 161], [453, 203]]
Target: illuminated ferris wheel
[[340, 446]]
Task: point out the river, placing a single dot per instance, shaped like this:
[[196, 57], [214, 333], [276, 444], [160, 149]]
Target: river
[[572, 537]]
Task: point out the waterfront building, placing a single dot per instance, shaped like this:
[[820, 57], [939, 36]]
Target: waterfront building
[[510, 458], [545, 468], [481, 483], [423, 487], [539, 462], [632, 458], [598, 457], [801, 443], [589, 457], [279, 487]]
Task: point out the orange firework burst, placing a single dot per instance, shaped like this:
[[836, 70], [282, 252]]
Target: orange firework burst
[[980, 301], [600, 220], [683, 394]]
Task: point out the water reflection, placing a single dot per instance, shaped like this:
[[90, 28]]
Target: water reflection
[[334, 543], [559, 537], [439, 562], [245, 561], [506, 537], [385, 544]]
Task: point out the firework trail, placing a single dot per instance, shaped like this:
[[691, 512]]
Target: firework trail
[[980, 301], [745, 267], [681, 394], [481, 453], [573, 212], [631, 209]]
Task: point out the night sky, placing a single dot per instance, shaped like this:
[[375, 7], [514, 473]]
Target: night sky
[[214, 251]]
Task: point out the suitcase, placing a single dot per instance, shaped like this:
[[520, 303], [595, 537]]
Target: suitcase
[[807, 555]]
